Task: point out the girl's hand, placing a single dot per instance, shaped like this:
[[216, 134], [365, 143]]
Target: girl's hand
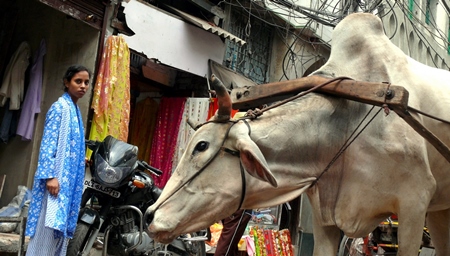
[[53, 186]]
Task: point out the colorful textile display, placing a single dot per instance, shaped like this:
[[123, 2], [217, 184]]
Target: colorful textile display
[[164, 141], [269, 242], [142, 127], [111, 99]]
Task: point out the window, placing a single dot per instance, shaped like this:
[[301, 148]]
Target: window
[[252, 58]]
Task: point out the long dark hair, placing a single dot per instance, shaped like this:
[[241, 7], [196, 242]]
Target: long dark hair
[[71, 71]]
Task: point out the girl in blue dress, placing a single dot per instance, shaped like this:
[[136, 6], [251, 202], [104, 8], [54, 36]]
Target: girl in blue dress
[[58, 181]]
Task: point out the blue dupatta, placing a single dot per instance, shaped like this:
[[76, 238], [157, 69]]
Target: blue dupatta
[[61, 155]]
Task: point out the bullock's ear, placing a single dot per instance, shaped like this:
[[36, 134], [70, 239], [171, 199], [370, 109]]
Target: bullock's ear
[[254, 162]]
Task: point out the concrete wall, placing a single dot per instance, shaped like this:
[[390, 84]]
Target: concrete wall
[[69, 41], [306, 57], [423, 48]]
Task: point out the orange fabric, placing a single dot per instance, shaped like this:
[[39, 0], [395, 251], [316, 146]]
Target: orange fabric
[[142, 127], [111, 95], [214, 106]]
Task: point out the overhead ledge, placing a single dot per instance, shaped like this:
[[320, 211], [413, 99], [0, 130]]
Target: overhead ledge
[[207, 26]]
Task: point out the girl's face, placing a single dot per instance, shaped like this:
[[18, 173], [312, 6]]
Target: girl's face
[[78, 85]]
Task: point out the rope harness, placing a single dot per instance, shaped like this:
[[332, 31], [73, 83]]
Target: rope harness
[[222, 148], [254, 114]]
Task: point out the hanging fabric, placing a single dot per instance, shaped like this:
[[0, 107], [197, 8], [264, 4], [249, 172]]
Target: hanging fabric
[[9, 123], [164, 141], [111, 99], [196, 109], [32, 102], [13, 81], [142, 127]]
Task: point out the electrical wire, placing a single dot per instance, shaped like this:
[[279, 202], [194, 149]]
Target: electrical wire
[[301, 50]]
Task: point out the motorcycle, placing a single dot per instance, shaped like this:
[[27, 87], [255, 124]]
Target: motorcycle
[[381, 241], [120, 190]]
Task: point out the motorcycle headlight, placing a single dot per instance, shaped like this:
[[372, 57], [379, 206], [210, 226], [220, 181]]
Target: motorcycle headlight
[[109, 175]]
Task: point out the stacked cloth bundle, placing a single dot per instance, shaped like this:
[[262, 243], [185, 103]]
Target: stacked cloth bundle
[[18, 207]]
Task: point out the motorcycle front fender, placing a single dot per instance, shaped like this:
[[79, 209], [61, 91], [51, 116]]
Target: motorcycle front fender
[[89, 216]]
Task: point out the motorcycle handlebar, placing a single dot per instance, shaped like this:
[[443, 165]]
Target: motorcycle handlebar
[[146, 166], [91, 144]]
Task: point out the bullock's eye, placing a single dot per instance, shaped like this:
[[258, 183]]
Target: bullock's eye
[[201, 146]]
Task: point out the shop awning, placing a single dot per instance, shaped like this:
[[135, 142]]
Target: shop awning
[[207, 26], [230, 78], [90, 12], [158, 33]]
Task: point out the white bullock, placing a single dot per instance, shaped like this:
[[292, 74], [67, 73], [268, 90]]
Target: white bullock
[[388, 169]]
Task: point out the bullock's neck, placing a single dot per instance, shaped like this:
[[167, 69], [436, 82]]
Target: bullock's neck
[[298, 142]]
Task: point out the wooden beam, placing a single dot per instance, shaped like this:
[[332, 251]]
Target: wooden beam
[[159, 73], [365, 92]]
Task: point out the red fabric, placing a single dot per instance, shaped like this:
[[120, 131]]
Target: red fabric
[[268, 240], [165, 137], [286, 243]]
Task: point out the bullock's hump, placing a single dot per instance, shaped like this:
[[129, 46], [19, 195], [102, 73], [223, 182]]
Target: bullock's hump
[[361, 50], [356, 31], [360, 23]]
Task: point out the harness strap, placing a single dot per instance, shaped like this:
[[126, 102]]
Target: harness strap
[[238, 154], [244, 186], [147, 213], [232, 152]]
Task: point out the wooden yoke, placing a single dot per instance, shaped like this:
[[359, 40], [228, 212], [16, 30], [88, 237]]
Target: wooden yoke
[[370, 93], [378, 94]]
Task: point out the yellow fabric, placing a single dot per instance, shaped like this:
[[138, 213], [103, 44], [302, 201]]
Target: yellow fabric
[[111, 99]]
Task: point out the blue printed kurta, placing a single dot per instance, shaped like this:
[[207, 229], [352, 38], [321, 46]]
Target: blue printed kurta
[[61, 155]]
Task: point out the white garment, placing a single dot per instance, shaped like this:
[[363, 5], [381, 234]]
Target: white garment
[[196, 110], [14, 78], [44, 242]]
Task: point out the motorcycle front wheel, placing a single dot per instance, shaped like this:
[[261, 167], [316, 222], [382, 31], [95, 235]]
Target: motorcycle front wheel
[[196, 247], [79, 240], [191, 245]]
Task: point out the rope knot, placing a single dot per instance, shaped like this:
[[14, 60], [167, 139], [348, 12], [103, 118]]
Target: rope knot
[[254, 113], [386, 109]]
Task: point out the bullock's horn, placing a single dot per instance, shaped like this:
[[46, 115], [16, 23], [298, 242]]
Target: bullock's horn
[[224, 100]]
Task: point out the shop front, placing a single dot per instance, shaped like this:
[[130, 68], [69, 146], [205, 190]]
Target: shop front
[[33, 28]]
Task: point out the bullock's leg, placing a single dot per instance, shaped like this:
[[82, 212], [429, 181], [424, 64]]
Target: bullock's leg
[[439, 226], [410, 230], [326, 240]]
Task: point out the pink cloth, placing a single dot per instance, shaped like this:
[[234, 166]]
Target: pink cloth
[[250, 245], [165, 137]]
